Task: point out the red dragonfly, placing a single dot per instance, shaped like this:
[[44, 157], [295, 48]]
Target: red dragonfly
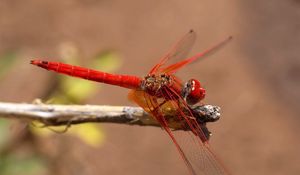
[[169, 101]]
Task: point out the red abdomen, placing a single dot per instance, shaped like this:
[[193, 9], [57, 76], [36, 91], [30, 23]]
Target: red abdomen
[[127, 81]]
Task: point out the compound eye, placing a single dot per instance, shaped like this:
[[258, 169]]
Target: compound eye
[[193, 92], [202, 93]]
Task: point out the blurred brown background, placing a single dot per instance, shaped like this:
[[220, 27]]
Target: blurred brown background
[[255, 79]]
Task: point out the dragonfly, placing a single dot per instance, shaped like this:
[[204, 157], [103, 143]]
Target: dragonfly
[[167, 99]]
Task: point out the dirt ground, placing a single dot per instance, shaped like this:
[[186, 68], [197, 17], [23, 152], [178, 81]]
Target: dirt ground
[[255, 79]]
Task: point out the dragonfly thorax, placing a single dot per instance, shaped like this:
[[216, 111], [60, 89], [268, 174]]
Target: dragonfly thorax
[[153, 83]]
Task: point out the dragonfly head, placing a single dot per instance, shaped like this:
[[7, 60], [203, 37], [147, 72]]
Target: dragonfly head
[[192, 92]]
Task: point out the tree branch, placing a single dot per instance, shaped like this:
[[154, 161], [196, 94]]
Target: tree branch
[[55, 115]]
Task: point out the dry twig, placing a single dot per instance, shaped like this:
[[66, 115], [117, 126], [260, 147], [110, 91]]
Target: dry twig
[[55, 115]]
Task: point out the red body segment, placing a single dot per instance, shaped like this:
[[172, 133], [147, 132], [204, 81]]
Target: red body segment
[[127, 81]]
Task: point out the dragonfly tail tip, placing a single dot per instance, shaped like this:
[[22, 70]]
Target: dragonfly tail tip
[[34, 62], [39, 63]]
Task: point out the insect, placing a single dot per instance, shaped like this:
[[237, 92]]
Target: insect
[[170, 102]]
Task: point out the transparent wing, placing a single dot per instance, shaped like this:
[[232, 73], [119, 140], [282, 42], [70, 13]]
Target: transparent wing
[[174, 67], [178, 51], [193, 141], [171, 112]]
